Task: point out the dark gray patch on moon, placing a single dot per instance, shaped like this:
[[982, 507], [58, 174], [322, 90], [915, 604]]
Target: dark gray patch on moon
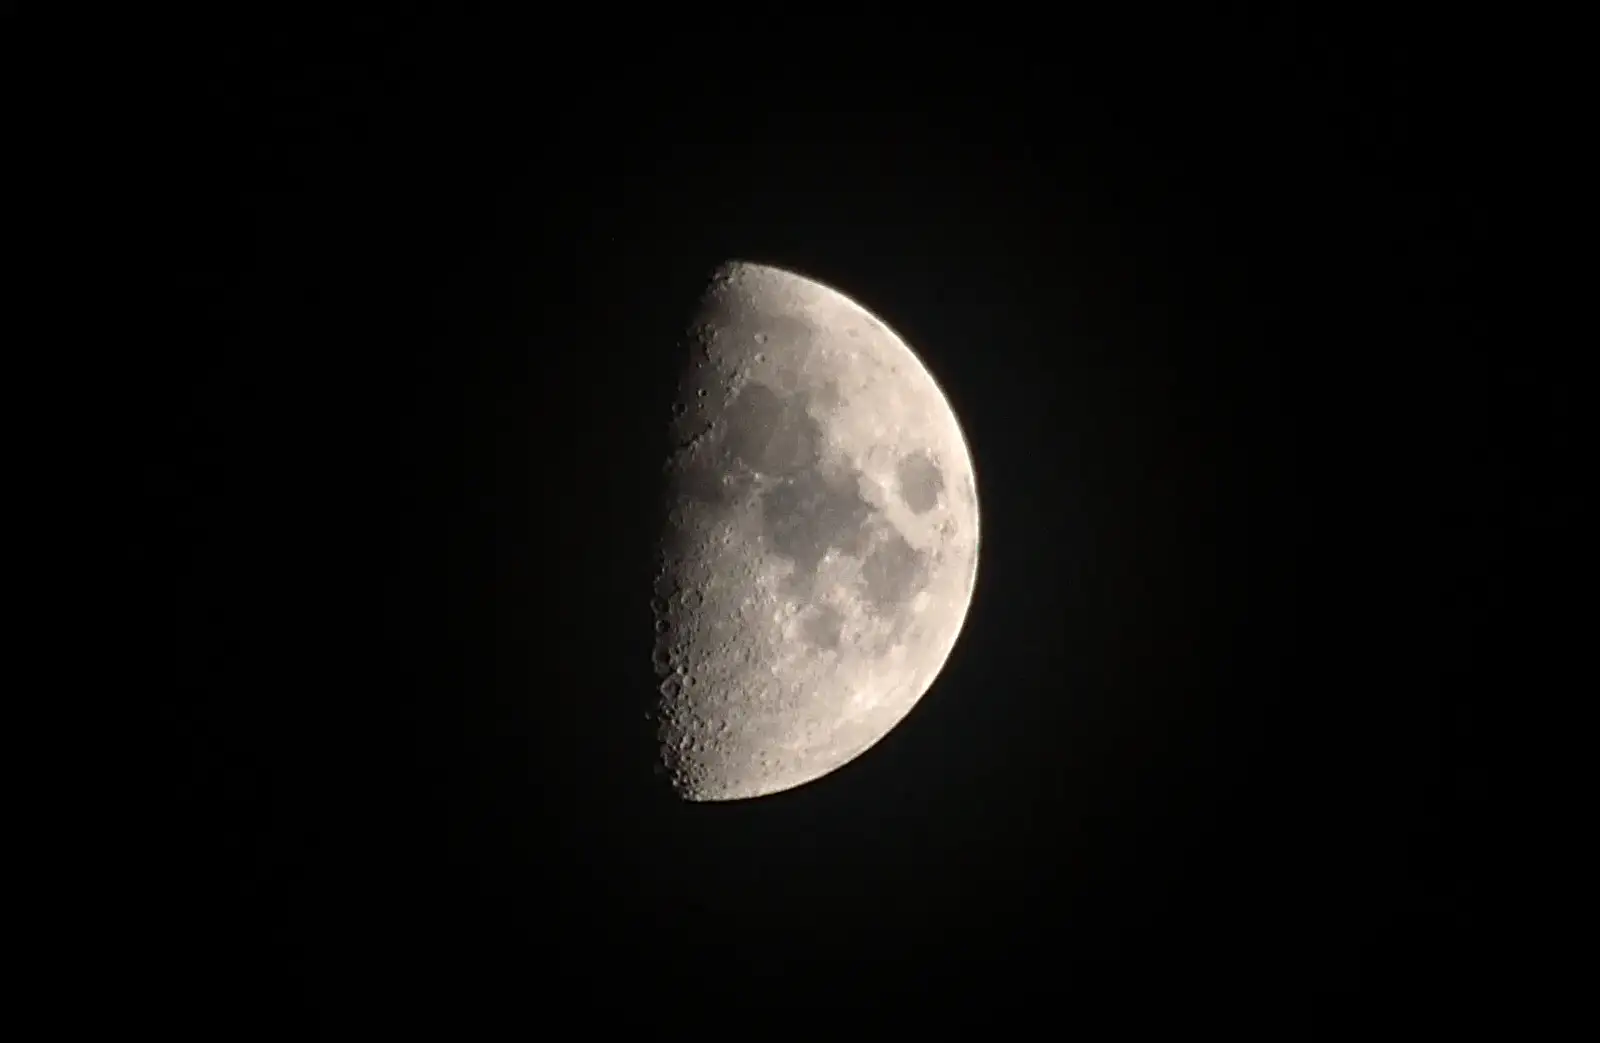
[[823, 629], [702, 484], [802, 517], [921, 482], [892, 572], [772, 434]]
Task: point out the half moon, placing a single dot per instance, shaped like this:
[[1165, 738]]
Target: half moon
[[821, 543]]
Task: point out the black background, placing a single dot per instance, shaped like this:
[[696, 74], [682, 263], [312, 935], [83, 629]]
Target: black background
[[1199, 299]]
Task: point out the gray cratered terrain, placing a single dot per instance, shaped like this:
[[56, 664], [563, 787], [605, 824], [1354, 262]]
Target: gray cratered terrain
[[821, 544]]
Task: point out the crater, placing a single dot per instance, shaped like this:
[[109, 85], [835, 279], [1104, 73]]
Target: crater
[[920, 480]]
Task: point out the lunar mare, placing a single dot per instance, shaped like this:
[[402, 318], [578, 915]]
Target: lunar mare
[[820, 549]]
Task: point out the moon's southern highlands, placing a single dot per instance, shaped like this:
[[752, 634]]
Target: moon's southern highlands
[[821, 541]]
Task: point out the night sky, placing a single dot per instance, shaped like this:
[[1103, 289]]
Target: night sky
[[1200, 304]]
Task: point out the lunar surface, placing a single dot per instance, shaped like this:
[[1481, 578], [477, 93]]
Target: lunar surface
[[821, 541]]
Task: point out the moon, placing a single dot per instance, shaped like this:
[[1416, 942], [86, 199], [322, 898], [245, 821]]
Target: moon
[[821, 540]]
